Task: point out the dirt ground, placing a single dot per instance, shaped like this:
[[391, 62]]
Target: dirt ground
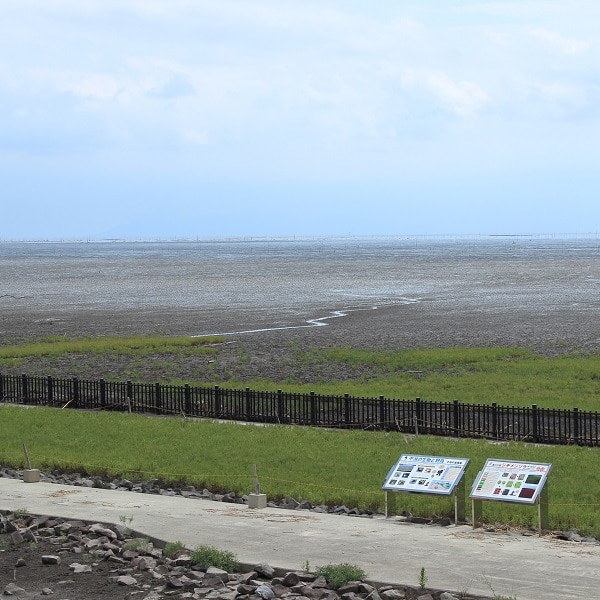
[[262, 345]]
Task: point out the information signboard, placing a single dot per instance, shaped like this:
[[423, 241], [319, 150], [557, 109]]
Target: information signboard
[[426, 474], [510, 481]]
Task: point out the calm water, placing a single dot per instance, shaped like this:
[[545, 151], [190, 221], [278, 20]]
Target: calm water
[[303, 276]]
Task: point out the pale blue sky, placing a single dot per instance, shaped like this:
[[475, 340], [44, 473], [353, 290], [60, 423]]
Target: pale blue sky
[[148, 118]]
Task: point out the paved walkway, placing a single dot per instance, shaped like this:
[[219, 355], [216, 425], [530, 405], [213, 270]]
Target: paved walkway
[[455, 558]]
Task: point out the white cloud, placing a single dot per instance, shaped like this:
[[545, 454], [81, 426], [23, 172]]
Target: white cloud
[[566, 45]]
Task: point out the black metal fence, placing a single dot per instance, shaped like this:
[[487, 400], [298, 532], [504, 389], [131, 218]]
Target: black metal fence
[[457, 419]]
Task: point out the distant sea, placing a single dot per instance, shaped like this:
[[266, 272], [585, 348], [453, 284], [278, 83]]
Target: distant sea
[[307, 276]]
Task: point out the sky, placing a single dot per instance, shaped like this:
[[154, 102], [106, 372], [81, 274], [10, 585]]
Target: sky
[[221, 118]]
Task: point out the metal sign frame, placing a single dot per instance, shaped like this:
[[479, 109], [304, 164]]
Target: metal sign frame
[[518, 482], [434, 475]]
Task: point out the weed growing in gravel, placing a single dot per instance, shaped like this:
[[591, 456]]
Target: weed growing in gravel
[[339, 574], [423, 578], [173, 549], [209, 556]]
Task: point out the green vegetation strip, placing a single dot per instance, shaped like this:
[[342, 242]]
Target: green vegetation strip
[[507, 376], [319, 465], [58, 346]]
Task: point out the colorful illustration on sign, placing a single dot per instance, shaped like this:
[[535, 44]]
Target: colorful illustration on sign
[[510, 481], [427, 474]]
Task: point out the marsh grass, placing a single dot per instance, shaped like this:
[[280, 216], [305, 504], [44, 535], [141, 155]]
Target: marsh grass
[[506, 376], [136, 345], [320, 465]]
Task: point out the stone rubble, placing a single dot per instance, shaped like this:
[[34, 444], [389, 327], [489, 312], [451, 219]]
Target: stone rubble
[[144, 568]]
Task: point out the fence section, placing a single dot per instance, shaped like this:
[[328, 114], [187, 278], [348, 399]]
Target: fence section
[[457, 419]]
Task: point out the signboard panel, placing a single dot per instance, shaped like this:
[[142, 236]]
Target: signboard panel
[[427, 474], [510, 481]]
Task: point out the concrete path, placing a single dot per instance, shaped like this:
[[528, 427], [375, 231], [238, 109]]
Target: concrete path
[[455, 558]]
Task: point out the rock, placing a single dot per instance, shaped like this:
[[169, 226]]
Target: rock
[[50, 559], [319, 582], [174, 583], [350, 587], [245, 589], [79, 568], [16, 538], [216, 571], [47, 591], [447, 596], [126, 580], [291, 579], [392, 594], [101, 530], [12, 589], [265, 570], [20, 562], [265, 592]]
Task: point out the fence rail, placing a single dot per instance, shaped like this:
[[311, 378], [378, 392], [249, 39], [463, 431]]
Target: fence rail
[[456, 419]]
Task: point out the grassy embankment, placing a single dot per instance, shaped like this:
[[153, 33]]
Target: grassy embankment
[[337, 467], [321, 465]]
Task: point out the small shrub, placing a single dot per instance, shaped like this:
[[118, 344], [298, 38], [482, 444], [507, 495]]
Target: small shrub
[[172, 549], [209, 556], [338, 575], [423, 578]]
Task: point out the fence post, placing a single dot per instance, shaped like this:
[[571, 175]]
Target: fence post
[[50, 392], [417, 415], [102, 393], [188, 399], [129, 395], [534, 417], [382, 421], [248, 399], [347, 409], [218, 407], [576, 425], [1, 387], [157, 399], [24, 388], [313, 409], [280, 407], [494, 421], [75, 392], [456, 419]]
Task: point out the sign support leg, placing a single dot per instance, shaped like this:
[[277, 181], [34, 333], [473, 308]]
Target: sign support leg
[[459, 503], [543, 509], [476, 512]]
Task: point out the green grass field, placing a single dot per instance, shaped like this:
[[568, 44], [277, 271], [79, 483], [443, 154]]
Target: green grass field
[[323, 466]]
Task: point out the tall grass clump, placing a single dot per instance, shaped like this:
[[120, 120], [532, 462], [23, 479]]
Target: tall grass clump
[[209, 556], [340, 574]]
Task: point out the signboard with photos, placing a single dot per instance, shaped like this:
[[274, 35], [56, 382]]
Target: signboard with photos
[[510, 481], [426, 474]]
